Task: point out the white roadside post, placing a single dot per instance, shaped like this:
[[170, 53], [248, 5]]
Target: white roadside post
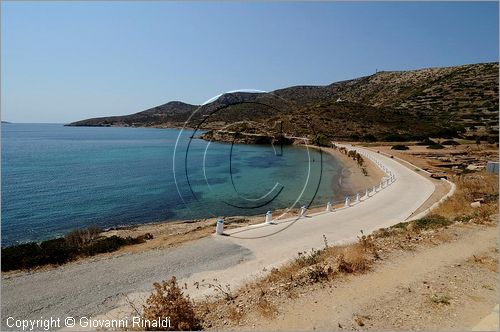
[[329, 207], [303, 211], [367, 193], [374, 190], [357, 198], [347, 202], [219, 226], [269, 217]]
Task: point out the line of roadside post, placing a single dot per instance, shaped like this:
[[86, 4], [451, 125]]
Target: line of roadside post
[[349, 201]]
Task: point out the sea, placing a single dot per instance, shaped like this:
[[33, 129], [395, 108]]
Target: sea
[[56, 178]]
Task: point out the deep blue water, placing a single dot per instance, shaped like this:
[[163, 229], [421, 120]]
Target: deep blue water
[[56, 178]]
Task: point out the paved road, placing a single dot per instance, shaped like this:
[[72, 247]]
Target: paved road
[[95, 287], [275, 244]]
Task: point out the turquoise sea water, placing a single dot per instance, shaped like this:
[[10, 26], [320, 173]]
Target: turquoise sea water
[[56, 178]]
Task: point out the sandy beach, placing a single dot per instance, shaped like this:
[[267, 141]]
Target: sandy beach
[[353, 180]]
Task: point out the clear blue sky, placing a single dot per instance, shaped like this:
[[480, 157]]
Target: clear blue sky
[[64, 61]]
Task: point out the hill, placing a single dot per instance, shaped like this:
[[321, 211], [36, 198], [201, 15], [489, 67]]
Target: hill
[[460, 101]]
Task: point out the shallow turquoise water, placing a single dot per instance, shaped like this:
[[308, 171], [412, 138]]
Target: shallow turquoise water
[[56, 178]]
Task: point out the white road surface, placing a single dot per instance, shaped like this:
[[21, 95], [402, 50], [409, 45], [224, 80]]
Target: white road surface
[[276, 243]]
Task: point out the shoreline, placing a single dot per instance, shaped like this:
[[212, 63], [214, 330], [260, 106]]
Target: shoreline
[[172, 233], [230, 259], [351, 181]]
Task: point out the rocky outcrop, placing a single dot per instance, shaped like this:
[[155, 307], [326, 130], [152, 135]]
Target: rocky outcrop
[[244, 138]]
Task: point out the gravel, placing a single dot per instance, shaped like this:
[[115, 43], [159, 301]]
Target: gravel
[[90, 287]]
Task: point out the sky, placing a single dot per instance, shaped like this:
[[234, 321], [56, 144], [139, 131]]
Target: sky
[[66, 61]]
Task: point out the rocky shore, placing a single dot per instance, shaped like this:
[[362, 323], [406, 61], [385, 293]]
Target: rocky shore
[[245, 138]]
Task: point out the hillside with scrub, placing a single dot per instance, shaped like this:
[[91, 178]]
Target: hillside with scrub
[[460, 101]]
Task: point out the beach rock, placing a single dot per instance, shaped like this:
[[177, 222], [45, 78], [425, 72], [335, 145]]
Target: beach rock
[[475, 204]]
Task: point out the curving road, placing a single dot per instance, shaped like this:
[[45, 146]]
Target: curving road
[[276, 243], [97, 286]]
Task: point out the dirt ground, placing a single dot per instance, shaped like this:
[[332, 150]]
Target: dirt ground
[[448, 160], [440, 280]]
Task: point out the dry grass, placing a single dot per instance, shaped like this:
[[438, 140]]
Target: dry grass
[[471, 187], [309, 268], [261, 298], [354, 259], [360, 319], [168, 301], [266, 308], [235, 314], [486, 261], [440, 299]]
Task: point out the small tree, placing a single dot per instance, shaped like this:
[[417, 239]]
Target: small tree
[[321, 140]]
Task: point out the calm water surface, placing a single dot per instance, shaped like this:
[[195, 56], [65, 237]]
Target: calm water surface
[[56, 178]]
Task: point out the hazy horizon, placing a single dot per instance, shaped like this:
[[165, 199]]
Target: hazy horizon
[[63, 61]]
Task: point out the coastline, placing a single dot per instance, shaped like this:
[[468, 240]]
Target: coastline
[[223, 257], [172, 233], [352, 179]]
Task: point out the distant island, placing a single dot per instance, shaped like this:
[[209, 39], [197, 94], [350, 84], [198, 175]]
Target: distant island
[[460, 101], [6, 122]]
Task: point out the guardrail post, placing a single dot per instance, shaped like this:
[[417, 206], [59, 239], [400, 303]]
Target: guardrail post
[[367, 193], [347, 202], [329, 207], [269, 217], [303, 211], [357, 198], [219, 226]]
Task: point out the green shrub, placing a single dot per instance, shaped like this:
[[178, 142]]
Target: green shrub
[[56, 251], [321, 140], [436, 146], [78, 243], [20, 256], [369, 138], [400, 225], [308, 259], [432, 221], [110, 244], [399, 147], [450, 142], [396, 138], [427, 141]]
